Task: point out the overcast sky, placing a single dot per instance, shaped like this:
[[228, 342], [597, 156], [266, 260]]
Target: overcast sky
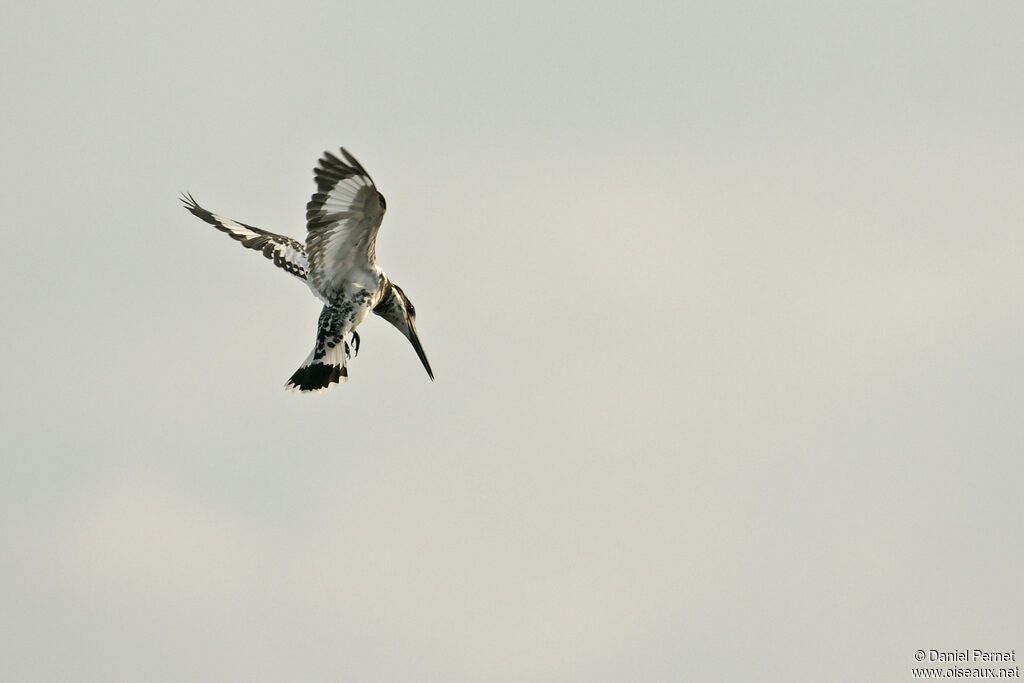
[[724, 301]]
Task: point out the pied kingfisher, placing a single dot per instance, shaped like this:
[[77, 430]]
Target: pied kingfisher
[[338, 262]]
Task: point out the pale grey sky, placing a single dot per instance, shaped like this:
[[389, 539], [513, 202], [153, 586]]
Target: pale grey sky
[[724, 303]]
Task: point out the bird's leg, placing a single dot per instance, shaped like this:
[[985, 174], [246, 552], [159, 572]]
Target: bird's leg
[[355, 342], [348, 351]]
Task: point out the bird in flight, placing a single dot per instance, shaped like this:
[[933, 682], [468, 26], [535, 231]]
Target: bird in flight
[[338, 262]]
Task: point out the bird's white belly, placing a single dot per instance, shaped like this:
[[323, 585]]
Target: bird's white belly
[[355, 286]]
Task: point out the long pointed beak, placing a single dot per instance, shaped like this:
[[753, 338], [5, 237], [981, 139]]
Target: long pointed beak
[[414, 338]]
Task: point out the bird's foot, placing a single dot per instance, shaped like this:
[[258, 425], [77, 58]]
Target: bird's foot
[[355, 343]]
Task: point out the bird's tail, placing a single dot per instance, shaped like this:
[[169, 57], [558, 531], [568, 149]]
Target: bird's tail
[[318, 373]]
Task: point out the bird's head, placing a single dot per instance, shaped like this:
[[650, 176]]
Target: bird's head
[[409, 328]]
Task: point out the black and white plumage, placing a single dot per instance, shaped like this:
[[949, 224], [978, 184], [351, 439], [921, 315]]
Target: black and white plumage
[[338, 262]]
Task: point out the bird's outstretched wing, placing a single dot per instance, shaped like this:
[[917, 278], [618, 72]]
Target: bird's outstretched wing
[[342, 220], [286, 253]]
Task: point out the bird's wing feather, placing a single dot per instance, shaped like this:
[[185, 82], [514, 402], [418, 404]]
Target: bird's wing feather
[[342, 220], [286, 253]]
